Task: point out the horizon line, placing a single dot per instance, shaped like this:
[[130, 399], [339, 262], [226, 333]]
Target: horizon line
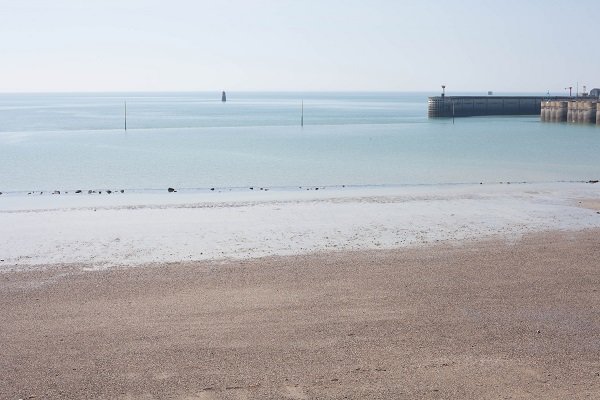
[[261, 91]]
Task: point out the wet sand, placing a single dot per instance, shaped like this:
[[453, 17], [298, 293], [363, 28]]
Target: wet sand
[[492, 319], [139, 228]]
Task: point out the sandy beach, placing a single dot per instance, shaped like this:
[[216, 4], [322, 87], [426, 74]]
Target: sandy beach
[[477, 291], [103, 231], [205, 200], [482, 320]]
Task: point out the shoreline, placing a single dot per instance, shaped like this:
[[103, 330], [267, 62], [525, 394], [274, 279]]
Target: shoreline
[[138, 229], [479, 320], [279, 189]]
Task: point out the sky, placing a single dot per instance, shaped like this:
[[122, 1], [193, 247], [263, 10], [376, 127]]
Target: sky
[[304, 45]]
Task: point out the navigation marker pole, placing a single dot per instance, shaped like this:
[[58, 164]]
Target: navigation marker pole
[[125, 116], [452, 112], [302, 115]]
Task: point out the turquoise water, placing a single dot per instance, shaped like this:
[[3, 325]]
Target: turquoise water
[[192, 140]]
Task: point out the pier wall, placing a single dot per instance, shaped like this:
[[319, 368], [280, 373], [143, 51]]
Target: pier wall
[[583, 111], [468, 106]]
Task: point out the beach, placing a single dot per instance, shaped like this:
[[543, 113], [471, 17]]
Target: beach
[[371, 253], [490, 319], [108, 230], [299, 200], [460, 291]]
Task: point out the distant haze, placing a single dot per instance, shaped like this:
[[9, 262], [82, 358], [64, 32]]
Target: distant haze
[[195, 45]]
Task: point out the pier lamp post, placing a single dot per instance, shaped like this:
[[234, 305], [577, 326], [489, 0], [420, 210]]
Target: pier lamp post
[[570, 90]]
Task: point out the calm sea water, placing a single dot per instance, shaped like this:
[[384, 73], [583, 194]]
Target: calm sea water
[[193, 140]]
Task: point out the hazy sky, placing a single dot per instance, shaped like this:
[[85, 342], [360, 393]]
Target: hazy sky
[[479, 45]]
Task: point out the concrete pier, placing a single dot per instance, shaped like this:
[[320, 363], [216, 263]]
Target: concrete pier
[[572, 112], [555, 111], [576, 110], [588, 112], [468, 106], [560, 111]]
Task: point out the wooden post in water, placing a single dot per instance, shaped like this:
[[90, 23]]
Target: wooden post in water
[[302, 115], [453, 112], [125, 116]]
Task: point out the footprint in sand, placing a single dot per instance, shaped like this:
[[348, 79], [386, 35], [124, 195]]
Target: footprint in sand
[[294, 392], [236, 393], [164, 375], [206, 395]]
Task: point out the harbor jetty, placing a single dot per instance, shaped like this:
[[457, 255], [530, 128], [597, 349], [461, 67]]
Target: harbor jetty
[[470, 106], [579, 110]]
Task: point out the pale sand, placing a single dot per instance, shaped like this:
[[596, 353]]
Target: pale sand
[[478, 320], [127, 229], [592, 204]]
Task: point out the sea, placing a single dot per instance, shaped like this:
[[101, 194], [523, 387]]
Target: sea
[[194, 141]]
